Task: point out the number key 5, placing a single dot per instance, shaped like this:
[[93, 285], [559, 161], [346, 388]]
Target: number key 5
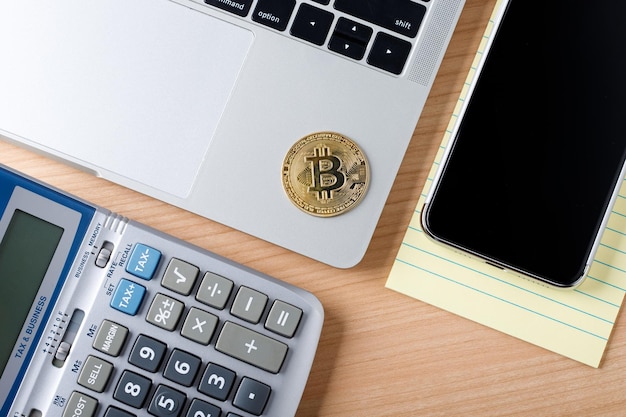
[[166, 402]]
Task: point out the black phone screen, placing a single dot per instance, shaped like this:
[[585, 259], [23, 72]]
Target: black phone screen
[[541, 145]]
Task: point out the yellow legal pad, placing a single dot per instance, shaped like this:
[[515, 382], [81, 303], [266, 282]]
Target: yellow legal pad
[[574, 323]]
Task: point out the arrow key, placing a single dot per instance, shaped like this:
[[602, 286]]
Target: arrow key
[[345, 46], [353, 30], [311, 24], [389, 53]]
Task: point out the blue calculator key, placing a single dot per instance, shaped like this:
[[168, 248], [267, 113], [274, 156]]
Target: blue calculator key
[[143, 261], [128, 297]]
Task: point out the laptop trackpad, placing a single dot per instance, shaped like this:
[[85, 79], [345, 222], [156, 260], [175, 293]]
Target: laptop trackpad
[[135, 87]]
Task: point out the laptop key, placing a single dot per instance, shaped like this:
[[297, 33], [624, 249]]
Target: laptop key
[[400, 16], [348, 47], [312, 24], [274, 13], [353, 30], [389, 53], [238, 7]]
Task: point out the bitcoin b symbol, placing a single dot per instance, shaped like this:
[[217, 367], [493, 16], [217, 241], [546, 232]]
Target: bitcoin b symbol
[[325, 173]]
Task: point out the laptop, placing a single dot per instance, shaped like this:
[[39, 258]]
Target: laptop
[[198, 103]]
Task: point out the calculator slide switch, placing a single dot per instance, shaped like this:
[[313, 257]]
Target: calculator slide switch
[[104, 255], [71, 331]]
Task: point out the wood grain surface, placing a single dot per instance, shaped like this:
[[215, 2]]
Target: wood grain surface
[[382, 353]]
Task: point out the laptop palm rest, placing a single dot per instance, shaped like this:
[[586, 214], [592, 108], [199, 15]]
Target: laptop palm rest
[[145, 93]]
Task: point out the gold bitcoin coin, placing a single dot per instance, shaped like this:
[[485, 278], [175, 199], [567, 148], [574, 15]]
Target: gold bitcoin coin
[[325, 174]]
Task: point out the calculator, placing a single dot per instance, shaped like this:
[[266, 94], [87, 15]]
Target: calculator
[[107, 317]]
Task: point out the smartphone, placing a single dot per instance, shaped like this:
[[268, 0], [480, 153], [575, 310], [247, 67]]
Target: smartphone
[[536, 158]]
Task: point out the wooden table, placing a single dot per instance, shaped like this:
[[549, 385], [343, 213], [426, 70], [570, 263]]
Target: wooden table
[[382, 353]]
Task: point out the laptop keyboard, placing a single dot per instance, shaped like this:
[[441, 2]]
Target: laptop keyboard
[[376, 32]]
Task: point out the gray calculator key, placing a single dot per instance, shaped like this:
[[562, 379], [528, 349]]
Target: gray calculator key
[[110, 338], [283, 318], [214, 290], [165, 312], [80, 404], [199, 326], [180, 276], [251, 347], [95, 373], [132, 389], [249, 305], [147, 353], [252, 396]]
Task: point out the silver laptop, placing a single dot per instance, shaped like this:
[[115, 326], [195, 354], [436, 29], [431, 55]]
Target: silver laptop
[[198, 103]]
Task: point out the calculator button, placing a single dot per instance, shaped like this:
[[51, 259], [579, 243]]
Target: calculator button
[[166, 402], [182, 367], [214, 290], [116, 412], [249, 305], [217, 381], [283, 318], [132, 389], [199, 326], [95, 374], [110, 338], [165, 312], [80, 404], [143, 261], [252, 396], [200, 408], [180, 276], [147, 353], [251, 347], [128, 297]]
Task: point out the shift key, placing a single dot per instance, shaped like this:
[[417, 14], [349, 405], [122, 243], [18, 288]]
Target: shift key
[[251, 347], [401, 16]]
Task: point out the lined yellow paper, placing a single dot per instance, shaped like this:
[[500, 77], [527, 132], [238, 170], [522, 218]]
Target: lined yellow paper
[[574, 323]]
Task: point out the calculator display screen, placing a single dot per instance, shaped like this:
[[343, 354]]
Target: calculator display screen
[[26, 250]]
